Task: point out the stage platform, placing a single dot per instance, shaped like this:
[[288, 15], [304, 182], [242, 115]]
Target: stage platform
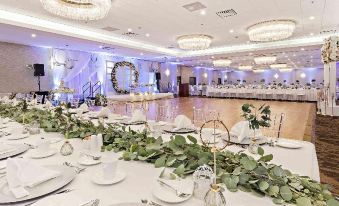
[[139, 98]]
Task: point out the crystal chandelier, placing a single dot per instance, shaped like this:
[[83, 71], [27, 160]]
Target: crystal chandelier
[[278, 66], [194, 42], [245, 68], [222, 63], [271, 30], [83, 10], [265, 60]]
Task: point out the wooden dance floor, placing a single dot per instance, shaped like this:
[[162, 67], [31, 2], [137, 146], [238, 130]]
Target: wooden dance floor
[[299, 117]]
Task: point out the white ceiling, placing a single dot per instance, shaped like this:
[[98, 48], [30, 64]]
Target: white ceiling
[[165, 20]]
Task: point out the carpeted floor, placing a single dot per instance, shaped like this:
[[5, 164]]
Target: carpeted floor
[[327, 146]]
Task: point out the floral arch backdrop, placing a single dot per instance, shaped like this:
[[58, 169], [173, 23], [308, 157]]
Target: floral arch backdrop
[[114, 78]]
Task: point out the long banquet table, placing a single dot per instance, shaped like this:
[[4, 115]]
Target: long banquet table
[[274, 94], [141, 177]]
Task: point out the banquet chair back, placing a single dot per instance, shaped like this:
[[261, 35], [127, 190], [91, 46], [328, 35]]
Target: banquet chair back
[[130, 107], [39, 99], [198, 116], [276, 125], [162, 113], [211, 114], [75, 102]]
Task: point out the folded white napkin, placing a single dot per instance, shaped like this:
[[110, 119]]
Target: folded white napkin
[[104, 112], [5, 99], [183, 122], [84, 107], [48, 104], [23, 173], [15, 102], [138, 116], [184, 186], [243, 131]]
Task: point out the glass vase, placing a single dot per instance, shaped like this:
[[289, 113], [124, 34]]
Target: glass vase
[[253, 147], [66, 149], [215, 197]]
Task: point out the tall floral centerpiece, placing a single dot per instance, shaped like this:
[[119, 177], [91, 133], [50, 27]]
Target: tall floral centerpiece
[[256, 118]]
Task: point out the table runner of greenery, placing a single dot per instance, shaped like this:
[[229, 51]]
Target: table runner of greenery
[[237, 171]]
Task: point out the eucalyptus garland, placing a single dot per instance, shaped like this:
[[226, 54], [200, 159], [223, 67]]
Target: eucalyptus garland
[[236, 171], [114, 78]]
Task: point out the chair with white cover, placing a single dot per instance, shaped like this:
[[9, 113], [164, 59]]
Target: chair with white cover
[[269, 94], [233, 93], [203, 90], [195, 90], [301, 95]]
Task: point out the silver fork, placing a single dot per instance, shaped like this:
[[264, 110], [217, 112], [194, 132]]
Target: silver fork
[[77, 169], [59, 192], [178, 193], [92, 203], [146, 202]]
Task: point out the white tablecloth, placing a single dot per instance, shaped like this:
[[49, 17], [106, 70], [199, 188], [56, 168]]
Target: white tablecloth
[[141, 176], [277, 94]]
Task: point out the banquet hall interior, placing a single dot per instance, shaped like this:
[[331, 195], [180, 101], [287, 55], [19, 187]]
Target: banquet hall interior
[[159, 103]]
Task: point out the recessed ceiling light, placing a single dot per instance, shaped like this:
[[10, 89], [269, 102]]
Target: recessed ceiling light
[[100, 46], [129, 30], [231, 31], [311, 17], [311, 34], [203, 12], [141, 54], [212, 57], [302, 49], [33, 35], [147, 35]]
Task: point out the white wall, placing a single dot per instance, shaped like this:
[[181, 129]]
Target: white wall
[[14, 76]]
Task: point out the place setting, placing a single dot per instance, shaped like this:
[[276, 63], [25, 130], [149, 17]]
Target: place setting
[[138, 118], [181, 125], [34, 182], [109, 172], [42, 149]]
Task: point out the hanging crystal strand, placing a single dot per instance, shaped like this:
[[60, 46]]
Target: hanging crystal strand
[[215, 197]]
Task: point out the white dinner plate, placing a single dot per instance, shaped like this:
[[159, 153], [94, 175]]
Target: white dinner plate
[[288, 144], [3, 164], [19, 148], [67, 174], [128, 204], [18, 136], [99, 179], [88, 161], [168, 195], [62, 200], [36, 154]]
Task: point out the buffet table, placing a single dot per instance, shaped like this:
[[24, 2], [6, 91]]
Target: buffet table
[[141, 177], [271, 94], [139, 98]]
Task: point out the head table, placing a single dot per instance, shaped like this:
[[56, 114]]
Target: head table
[[141, 177]]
